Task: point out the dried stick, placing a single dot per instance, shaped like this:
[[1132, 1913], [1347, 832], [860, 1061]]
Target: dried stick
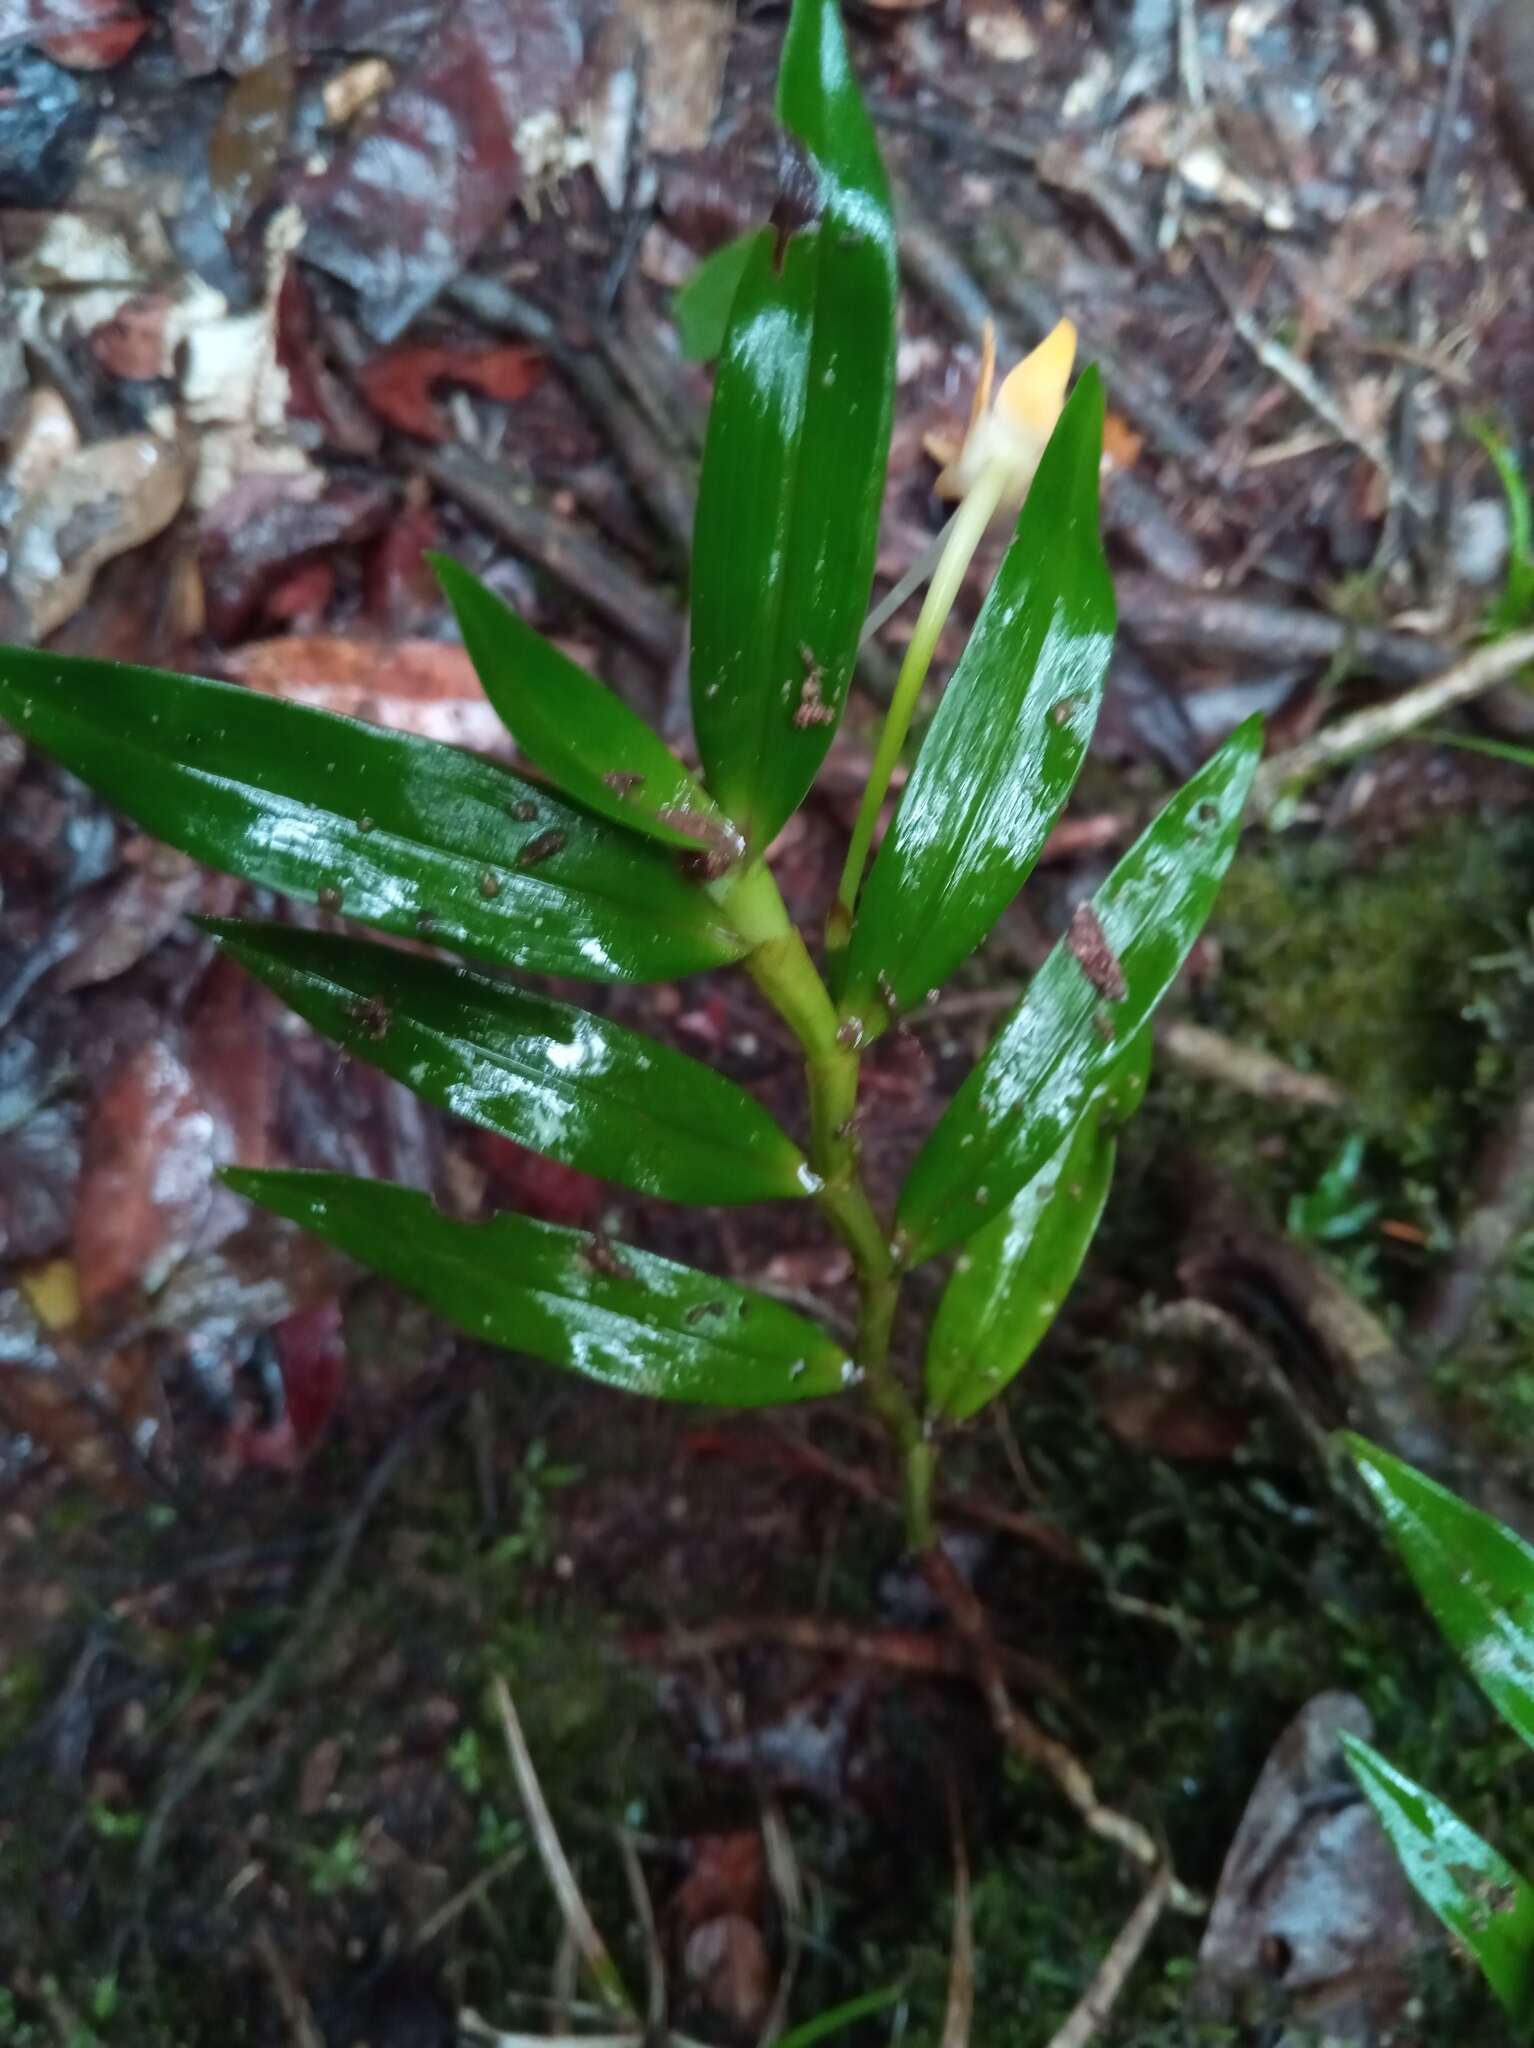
[[556, 1865], [1168, 617], [1364, 730], [511, 508], [1091, 2015], [1214, 1057], [1034, 1744], [961, 1960], [894, 1650], [1501, 1200]]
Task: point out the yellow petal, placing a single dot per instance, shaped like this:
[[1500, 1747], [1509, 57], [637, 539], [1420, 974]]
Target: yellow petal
[[53, 1290], [1032, 395]]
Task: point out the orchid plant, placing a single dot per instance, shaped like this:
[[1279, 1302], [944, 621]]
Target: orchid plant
[[613, 860]]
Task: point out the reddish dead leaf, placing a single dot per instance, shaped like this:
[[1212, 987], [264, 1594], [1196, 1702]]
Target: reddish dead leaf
[[266, 526], [303, 595], [1121, 444], [311, 1356], [726, 1877], [419, 686], [170, 1114], [539, 1187], [148, 1175], [398, 383], [397, 583]]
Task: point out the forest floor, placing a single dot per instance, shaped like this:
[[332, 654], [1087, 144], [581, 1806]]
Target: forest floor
[[290, 295]]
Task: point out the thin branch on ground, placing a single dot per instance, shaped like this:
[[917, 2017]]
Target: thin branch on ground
[[255, 1701], [1344, 740], [787, 1884], [483, 1881], [1169, 618], [960, 2010], [1284, 364], [926, 1656], [1214, 1057], [517, 511], [1092, 2014], [297, 2015], [644, 1913], [577, 1919], [1501, 1200], [1035, 1745]]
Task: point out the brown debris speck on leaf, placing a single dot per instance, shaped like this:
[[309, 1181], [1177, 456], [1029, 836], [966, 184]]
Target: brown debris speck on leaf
[[1099, 963], [543, 846]]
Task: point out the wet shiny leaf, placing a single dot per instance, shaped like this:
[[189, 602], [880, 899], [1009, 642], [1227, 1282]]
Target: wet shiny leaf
[[1013, 1275], [702, 306], [1477, 1895], [1007, 743], [1094, 992], [397, 832], [626, 1317], [1476, 1576], [793, 470], [551, 1076], [576, 729]]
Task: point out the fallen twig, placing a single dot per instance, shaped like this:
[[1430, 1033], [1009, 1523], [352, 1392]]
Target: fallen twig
[[1459, 684], [1035, 1745], [1214, 1057], [578, 1921], [514, 510], [894, 1649], [1500, 1204], [1169, 616], [961, 1956], [660, 478], [1092, 2013]]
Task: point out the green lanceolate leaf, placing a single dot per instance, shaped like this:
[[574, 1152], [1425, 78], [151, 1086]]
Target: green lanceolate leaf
[[549, 1075], [793, 470], [702, 306], [1094, 993], [625, 1317], [402, 833], [1476, 1576], [1478, 1896], [575, 729], [1013, 1275], [1007, 743]]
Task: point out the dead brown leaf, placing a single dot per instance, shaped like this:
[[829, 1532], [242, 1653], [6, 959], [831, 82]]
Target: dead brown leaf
[[419, 686]]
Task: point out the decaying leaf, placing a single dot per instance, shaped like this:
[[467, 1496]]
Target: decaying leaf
[[398, 383], [425, 687], [91, 506], [1313, 1920]]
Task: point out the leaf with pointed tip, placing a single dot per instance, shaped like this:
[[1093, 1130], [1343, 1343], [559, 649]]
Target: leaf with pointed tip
[[553, 1077], [1011, 1279], [1476, 1576], [1477, 1895], [1013, 1275], [1007, 742], [702, 306], [1095, 991], [575, 729], [793, 469], [402, 833], [625, 1317]]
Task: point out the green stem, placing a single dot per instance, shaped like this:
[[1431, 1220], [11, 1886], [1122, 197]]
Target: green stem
[[782, 969], [964, 536]]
